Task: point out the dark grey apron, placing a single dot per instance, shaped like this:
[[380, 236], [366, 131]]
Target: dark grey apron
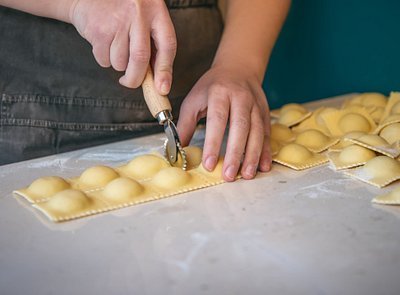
[[56, 98]]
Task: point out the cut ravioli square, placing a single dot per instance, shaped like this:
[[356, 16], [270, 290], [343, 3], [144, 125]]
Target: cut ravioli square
[[343, 142], [376, 143], [392, 198], [351, 156], [315, 140], [298, 157], [344, 121], [379, 171]]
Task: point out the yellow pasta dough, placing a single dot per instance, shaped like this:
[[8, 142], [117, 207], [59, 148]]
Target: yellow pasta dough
[[378, 144], [293, 117], [344, 141], [379, 171], [275, 147], [392, 198], [345, 121], [376, 113], [354, 122], [281, 133], [68, 201], [288, 107], [122, 189], [315, 140], [391, 133], [193, 156], [145, 166], [96, 176], [314, 121], [293, 106], [153, 181], [298, 157], [351, 156], [396, 108], [391, 107], [171, 177], [369, 99], [45, 187]]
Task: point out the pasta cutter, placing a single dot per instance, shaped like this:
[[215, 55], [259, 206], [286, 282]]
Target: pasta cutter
[[160, 108]]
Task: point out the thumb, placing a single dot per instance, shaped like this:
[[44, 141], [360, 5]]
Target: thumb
[[187, 122]]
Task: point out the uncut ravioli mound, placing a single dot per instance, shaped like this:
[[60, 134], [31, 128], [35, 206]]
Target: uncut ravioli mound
[[101, 188]]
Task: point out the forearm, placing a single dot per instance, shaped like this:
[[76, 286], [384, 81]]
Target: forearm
[[57, 9], [251, 29]]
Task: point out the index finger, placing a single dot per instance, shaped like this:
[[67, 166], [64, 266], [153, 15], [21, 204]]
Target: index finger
[[217, 118], [164, 37]]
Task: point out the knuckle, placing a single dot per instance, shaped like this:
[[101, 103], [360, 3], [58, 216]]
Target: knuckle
[[141, 56], [171, 44], [217, 116], [240, 122], [164, 68], [98, 34], [218, 89]]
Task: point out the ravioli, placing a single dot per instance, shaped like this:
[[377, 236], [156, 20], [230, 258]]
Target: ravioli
[[291, 114], [351, 156], [315, 140], [344, 141], [298, 157], [392, 198], [144, 167], [46, 187], [101, 188], [122, 188], [345, 121], [378, 144], [315, 121], [281, 133], [391, 133], [379, 171], [95, 177]]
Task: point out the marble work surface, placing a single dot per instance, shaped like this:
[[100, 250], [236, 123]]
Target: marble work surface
[[286, 232]]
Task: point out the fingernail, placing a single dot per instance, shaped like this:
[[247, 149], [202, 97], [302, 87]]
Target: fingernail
[[230, 172], [251, 170], [210, 163], [165, 88], [122, 80], [265, 166]]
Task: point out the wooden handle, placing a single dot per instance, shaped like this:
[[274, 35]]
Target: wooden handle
[[154, 100]]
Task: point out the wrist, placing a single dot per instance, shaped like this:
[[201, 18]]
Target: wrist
[[247, 66], [63, 10]]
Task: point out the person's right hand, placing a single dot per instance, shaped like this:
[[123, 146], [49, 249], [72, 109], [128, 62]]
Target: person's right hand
[[121, 33]]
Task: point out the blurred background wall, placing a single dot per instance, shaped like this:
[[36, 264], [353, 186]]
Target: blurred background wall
[[331, 47]]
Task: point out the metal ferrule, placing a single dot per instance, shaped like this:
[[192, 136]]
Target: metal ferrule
[[164, 116]]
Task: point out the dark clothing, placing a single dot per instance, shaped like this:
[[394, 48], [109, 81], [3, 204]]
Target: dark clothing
[[56, 98]]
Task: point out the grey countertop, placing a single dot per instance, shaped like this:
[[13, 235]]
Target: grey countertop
[[286, 232]]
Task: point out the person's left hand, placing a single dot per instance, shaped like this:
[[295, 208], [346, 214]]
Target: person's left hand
[[231, 93]]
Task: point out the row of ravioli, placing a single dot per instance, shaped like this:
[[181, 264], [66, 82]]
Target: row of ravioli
[[361, 139], [102, 188]]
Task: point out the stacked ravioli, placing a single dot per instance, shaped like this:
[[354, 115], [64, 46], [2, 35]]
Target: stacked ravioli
[[362, 138], [102, 188]]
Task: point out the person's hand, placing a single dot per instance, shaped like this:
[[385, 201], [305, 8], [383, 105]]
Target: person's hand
[[229, 93], [121, 33]]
